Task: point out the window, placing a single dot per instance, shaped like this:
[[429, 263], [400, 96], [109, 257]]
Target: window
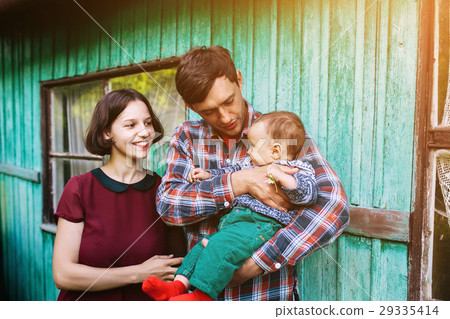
[[437, 258], [67, 114]]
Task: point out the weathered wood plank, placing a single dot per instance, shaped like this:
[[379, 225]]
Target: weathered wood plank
[[243, 45], [261, 56], [222, 24], [376, 272], [183, 26], [272, 15], [140, 31], [3, 92], [93, 39], [378, 223], [6, 234], [9, 134], [105, 40], [72, 41], [169, 29], [389, 271], [201, 23], [354, 260], [83, 24], [47, 48], [285, 31], [126, 35], [50, 291], [341, 88], [28, 160], [20, 185], [380, 101], [4, 231], [23, 173], [154, 17], [439, 137], [297, 43], [366, 172], [400, 95], [353, 192], [61, 38], [36, 201], [114, 21], [324, 77], [309, 78], [17, 186], [319, 271]]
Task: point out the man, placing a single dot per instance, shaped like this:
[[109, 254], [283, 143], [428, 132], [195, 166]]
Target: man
[[209, 84]]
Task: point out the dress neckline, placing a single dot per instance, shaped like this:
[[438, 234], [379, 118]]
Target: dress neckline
[[119, 187]]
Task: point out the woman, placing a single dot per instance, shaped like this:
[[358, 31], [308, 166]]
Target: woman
[[109, 237]]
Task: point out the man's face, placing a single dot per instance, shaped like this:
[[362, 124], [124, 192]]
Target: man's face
[[224, 108]]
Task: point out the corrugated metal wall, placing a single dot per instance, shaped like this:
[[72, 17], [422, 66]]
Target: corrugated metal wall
[[347, 67]]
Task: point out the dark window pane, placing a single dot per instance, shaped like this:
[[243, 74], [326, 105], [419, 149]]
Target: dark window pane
[[72, 108]]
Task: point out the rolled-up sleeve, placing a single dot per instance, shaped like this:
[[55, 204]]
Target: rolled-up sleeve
[[182, 203], [314, 227]]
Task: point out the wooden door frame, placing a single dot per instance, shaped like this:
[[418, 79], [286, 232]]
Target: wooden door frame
[[427, 139]]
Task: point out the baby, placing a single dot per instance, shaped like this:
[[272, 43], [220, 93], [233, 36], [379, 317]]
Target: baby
[[275, 138]]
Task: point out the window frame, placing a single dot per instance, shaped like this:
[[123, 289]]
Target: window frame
[[430, 138], [46, 88]]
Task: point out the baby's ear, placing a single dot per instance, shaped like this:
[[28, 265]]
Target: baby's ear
[[276, 151]]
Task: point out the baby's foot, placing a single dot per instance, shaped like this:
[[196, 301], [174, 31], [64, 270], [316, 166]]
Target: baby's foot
[[197, 295], [162, 290]]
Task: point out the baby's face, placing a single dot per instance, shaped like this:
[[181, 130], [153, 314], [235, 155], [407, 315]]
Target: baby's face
[[260, 150]]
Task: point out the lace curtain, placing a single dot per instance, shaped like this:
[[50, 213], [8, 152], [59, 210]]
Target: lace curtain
[[443, 160]]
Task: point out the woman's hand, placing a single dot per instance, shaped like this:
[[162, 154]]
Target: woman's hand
[[69, 274], [158, 266]]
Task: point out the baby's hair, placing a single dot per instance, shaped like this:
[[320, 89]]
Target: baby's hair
[[285, 126]]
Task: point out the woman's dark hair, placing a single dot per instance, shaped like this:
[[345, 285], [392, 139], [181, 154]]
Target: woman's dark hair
[[106, 111], [199, 68]]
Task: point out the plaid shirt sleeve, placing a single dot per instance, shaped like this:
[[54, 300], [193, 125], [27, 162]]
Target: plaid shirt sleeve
[[225, 170], [315, 226], [180, 202]]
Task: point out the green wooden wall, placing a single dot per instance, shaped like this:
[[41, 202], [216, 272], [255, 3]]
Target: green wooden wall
[[346, 67]]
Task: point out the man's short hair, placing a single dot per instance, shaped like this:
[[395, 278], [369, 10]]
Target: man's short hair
[[285, 127], [106, 111], [199, 68]]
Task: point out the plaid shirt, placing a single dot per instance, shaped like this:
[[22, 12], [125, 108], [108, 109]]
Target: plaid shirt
[[199, 206]]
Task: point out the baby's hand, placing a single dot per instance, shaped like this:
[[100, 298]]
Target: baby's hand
[[276, 172], [198, 174]]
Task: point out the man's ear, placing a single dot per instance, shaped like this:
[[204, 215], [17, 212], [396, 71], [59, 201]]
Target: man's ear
[[240, 80], [276, 151], [188, 106]]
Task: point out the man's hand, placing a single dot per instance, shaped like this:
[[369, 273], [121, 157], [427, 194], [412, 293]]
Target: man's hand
[[253, 182], [248, 270]]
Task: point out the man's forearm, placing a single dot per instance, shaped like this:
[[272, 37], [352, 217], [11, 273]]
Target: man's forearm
[[184, 203]]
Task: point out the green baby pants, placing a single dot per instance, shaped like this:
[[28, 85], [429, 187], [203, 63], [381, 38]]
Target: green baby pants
[[241, 233]]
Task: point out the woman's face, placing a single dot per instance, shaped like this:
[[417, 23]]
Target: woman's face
[[132, 132]]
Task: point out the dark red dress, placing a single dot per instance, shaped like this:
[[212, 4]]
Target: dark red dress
[[118, 219]]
